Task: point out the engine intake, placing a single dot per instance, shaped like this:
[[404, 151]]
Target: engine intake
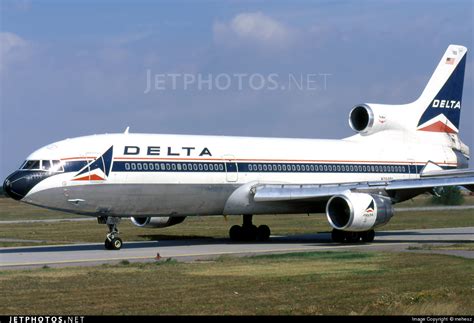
[[157, 222], [369, 118], [361, 118], [358, 211]]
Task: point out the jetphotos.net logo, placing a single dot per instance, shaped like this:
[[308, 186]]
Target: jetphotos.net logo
[[156, 82], [46, 319], [98, 169]]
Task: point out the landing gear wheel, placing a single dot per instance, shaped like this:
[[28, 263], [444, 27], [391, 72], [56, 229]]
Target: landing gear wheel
[[337, 235], [249, 233], [235, 233], [368, 236], [107, 244], [116, 244], [352, 237], [263, 233], [112, 242]]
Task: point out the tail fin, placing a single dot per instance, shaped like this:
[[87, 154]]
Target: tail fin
[[441, 100]]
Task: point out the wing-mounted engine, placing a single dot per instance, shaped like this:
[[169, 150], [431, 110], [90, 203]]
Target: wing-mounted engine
[[367, 119], [157, 222], [358, 211]]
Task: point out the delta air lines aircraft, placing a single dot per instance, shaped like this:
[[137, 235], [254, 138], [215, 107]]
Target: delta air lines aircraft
[[398, 152]]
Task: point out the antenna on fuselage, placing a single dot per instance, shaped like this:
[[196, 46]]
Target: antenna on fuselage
[[126, 130]]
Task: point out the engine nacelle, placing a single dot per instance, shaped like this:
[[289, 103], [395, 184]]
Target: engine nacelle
[[367, 119], [358, 211], [157, 222]]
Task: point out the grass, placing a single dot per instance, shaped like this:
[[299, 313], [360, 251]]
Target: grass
[[11, 210], [193, 227], [466, 246], [311, 283], [426, 200], [214, 227]]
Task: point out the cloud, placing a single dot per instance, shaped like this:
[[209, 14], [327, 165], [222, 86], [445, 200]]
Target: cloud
[[254, 28], [13, 49]]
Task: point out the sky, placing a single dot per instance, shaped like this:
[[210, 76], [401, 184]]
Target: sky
[[243, 68]]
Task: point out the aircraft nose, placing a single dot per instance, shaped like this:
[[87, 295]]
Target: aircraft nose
[[7, 186], [17, 185]]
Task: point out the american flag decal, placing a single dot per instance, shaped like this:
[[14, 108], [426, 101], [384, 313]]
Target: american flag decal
[[450, 60]]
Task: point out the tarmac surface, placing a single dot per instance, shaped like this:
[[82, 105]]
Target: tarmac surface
[[204, 249]]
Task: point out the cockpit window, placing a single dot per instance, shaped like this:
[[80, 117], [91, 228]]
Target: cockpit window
[[45, 165], [32, 165], [57, 166]]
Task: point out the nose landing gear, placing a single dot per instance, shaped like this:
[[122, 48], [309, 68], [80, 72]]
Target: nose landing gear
[[112, 241]]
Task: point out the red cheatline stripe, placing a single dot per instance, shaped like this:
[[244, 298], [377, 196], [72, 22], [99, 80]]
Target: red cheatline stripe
[[92, 177]]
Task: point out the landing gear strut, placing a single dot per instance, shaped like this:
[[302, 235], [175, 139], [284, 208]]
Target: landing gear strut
[[352, 237], [248, 231], [112, 241]]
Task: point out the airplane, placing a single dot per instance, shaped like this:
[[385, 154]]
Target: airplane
[[157, 180]]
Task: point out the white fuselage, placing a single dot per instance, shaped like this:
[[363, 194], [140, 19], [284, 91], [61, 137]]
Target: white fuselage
[[163, 175]]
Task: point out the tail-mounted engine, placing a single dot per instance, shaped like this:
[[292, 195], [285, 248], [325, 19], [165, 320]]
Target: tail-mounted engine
[[157, 222], [367, 119], [358, 211]]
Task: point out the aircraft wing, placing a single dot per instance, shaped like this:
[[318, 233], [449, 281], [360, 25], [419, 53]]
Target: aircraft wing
[[428, 181]]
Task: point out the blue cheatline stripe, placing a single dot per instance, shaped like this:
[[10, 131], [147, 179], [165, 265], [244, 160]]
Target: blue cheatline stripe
[[74, 166], [216, 167]]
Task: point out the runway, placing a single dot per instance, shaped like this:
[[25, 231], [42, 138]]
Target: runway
[[201, 249]]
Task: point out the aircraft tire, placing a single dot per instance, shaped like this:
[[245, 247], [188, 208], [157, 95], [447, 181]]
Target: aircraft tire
[[337, 235], [250, 233], [116, 244], [263, 233], [368, 236], [235, 233], [352, 237], [107, 244]]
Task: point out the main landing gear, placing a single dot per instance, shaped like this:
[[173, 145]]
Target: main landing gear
[[112, 241], [352, 237], [248, 231]]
